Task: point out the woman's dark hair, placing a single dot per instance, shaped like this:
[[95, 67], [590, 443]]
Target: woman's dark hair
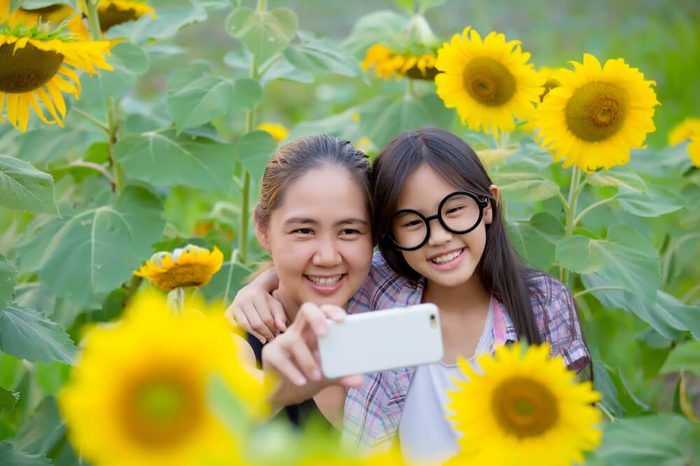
[[300, 156], [499, 268]]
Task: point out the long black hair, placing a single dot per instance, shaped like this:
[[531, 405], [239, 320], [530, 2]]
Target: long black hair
[[455, 161]]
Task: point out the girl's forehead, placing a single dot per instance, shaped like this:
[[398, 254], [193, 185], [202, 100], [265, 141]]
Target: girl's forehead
[[424, 187]]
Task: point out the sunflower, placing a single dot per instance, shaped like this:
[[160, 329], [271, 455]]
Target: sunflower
[[689, 129], [388, 63], [188, 266], [597, 114], [550, 78], [113, 12], [277, 131], [52, 14], [138, 392], [524, 409], [36, 63], [488, 82]]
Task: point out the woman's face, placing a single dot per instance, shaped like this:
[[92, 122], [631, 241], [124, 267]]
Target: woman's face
[[319, 237], [446, 259]]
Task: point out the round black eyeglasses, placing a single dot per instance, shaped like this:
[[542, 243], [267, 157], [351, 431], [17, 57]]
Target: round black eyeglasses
[[459, 212]]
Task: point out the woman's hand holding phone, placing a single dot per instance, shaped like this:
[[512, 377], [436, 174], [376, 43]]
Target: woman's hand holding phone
[[256, 310], [294, 359]]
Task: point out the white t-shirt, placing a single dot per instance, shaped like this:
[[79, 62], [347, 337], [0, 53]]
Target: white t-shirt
[[424, 433]]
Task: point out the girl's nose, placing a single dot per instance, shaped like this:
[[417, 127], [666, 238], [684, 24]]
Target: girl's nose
[[438, 234]]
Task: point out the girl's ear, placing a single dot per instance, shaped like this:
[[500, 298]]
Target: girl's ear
[[488, 210], [261, 233]]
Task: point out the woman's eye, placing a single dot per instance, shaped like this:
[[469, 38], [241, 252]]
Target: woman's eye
[[350, 231], [302, 231]]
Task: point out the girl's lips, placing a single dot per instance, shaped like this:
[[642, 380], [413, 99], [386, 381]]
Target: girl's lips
[[450, 264]]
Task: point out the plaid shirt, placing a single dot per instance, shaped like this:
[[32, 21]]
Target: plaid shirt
[[373, 410]]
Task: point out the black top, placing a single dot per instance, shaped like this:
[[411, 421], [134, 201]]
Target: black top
[[298, 414]]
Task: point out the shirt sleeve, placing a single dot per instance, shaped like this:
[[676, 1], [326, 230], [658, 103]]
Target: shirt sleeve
[[566, 335]]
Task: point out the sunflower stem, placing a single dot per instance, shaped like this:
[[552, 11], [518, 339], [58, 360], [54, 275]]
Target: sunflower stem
[[570, 210], [92, 119], [113, 124], [93, 19], [605, 411], [234, 256], [593, 206]]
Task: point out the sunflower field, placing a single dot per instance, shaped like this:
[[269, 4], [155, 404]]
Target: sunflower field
[[132, 139]]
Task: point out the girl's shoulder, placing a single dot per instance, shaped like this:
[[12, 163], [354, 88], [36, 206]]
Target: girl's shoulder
[[546, 291]]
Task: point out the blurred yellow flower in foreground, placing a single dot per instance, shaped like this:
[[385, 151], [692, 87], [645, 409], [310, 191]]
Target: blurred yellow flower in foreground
[[488, 82], [184, 267], [597, 114], [277, 131], [525, 409], [688, 130], [388, 63], [137, 395], [36, 63]]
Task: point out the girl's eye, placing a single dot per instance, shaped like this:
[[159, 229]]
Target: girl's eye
[[411, 224]]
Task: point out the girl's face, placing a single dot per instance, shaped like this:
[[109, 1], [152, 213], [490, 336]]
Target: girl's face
[[446, 259], [319, 237]]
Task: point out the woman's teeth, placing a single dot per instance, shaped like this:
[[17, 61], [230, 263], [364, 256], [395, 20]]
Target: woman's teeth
[[325, 281]]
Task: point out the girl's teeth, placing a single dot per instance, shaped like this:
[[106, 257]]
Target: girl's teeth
[[447, 257], [325, 281]]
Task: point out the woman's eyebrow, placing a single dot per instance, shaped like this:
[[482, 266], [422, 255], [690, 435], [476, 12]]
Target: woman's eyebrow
[[352, 221], [301, 220]]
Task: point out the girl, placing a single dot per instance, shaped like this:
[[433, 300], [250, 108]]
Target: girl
[[313, 218], [442, 240]]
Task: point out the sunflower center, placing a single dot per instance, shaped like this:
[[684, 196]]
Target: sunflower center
[[113, 15], [184, 275], [596, 111], [26, 69], [524, 407], [162, 410], [488, 81]]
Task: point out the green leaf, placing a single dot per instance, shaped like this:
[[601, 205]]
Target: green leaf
[[130, 62], [49, 144], [579, 254], [264, 33], [199, 101], [405, 5], [383, 119], [226, 283], [685, 357], [655, 202], [318, 56], [618, 177], [169, 21], [535, 240], [645, 441], [96, 250], [425, 4], [8, 280], [41, 432], [665, 314], [166, 159], [228, 407], [27, 334], [625, 258], [254, 150], [8, 455], [23, 187], [8, 399], [380, 27]]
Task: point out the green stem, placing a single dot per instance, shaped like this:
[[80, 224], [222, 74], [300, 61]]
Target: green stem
[[113, 124], [93, 166], [91, 119], [93, 19], [234, 256], [598, 288], [593, 206], [605, 411], [570, 210], [176, 301], [262, 5]]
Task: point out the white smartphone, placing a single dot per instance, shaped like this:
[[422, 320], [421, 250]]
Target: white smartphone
[[380, 340]]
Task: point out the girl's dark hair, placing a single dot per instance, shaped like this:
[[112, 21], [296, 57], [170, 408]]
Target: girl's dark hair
[[296, 158], [499, 268]]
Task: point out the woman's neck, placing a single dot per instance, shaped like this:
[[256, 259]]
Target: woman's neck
[[290, 306], [467, 297]]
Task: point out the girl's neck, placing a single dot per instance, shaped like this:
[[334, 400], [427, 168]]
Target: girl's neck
[[467, 297]]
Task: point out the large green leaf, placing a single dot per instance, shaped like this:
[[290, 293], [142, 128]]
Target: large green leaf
[[226, 283], [625, 258], [264, 33], [535, 240], [665, 314], [167, 159], [317, 55], [253, 150], [23, 187], [646, 441], [40, 434], [170, 20], [29, 335], [95, 251], [129, 62], [653, 203], [685, 357], [382, 119], [522, 181], [618, 177], [48, 144], [8, 399], [617, 397], [8, 279], [10, 456], [379, 27]]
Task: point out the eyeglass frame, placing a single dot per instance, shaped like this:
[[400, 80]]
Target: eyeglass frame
[[481, 201]]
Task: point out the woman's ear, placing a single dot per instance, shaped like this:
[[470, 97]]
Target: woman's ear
[[488, 210], [261, 233]]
